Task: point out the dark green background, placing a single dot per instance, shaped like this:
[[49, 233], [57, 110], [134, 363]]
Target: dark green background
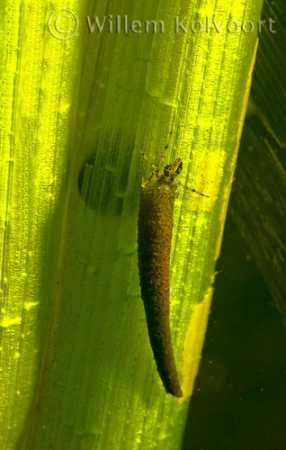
[[239, 401]]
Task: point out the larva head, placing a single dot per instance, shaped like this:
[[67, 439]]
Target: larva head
[[173, 170]]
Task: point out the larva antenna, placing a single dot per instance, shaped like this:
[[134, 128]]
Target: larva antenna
[[163, 152]]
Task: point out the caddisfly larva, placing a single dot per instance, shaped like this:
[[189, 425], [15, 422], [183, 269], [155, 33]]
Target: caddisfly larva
[[155, 225]]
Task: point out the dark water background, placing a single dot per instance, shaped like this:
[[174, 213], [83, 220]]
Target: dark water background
[[239, 400]]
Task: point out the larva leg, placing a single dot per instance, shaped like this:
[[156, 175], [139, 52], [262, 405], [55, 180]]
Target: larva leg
[[154, 167], [190, 189]]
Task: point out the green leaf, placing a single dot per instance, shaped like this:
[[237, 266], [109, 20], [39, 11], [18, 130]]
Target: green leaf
[[77, 367]]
